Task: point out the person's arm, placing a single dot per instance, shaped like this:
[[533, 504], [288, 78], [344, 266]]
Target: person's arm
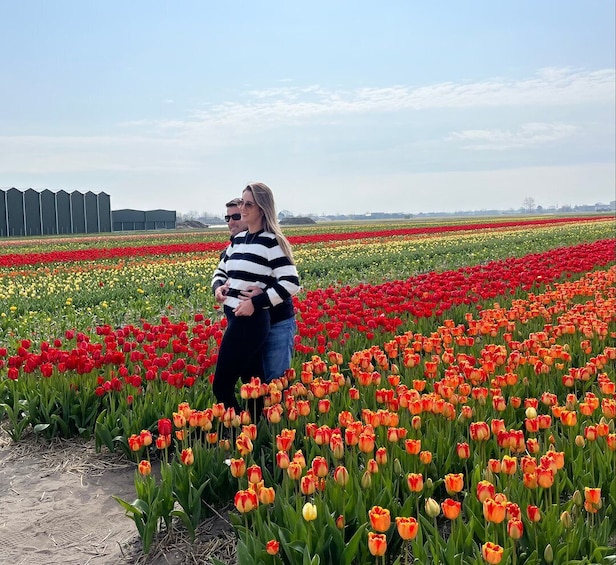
[[220, 277], [286, 282]]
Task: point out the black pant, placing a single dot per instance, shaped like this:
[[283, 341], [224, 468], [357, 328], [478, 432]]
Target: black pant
[[239, 356]]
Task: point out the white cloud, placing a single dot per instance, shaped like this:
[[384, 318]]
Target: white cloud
[[230, 127], [286, 104], [527, 135]]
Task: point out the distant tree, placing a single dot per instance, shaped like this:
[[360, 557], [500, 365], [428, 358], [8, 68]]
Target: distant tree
[[528, 204]]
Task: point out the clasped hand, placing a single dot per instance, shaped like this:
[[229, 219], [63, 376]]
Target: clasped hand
[[246, 307]]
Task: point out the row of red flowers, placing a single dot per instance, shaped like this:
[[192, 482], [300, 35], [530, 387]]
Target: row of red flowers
[[94, 254]]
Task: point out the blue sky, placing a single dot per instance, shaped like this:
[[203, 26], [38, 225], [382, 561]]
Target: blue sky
[[339, 106]]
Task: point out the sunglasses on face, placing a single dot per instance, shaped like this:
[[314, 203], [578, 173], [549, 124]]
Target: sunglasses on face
[[246, 204], [237, 216]]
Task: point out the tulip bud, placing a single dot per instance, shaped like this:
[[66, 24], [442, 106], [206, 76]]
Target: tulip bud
[[432, 508], [548, 553], [577, 498], [397, 466], [366, 480], [489, 476], [531, 412], [580, 441], [566, 520]]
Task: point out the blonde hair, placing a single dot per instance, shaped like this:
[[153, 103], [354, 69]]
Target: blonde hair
[[264, 199]]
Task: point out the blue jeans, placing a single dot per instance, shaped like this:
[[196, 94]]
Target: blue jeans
[[278, 349]]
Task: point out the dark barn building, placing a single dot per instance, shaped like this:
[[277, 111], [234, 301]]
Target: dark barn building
[[31, 212], [78, 212], [131, 220], [32, 207], [103, 205], [91, 207], [16, 224], [3, 216], [63, 212], [49, 224]]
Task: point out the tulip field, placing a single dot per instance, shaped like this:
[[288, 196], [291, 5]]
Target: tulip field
[[452, 396]]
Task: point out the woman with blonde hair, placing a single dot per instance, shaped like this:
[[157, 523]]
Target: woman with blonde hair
[[255, 277]]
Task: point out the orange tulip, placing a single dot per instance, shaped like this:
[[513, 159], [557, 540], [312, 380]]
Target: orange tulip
[[250, 430], [532, 445], [463, 450], [480, 431], [255, 475], [533, 513], [272, 547], [377, 544], [509, 465], [380, 518], [425, 457], [407, 527], [528, 464], [372, 466], [298, 457], [451, 508], [492, 553], [485, 490], [146, 438], [530, 479], [145, 468], [243, 444], [381, 456], [592, 499], [568, 418], [497, 426], [513, 511], [134, 442], [454, 482], [238, 467], [494, 511], [284, 440], [319, 466], [187, 457], [308, 484], [336, 445], [267, 495], [294, 470], [415, 482], [282, 460], [412, 446], [545, 477], [163, 442], [179, 420], [246, 500], [515, 529], [494, 465]]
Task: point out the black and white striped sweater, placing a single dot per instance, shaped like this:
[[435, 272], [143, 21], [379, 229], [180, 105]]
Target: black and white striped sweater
[[256, 259]]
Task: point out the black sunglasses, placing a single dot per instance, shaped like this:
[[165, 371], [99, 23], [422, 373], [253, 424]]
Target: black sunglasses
[[237, 216]]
